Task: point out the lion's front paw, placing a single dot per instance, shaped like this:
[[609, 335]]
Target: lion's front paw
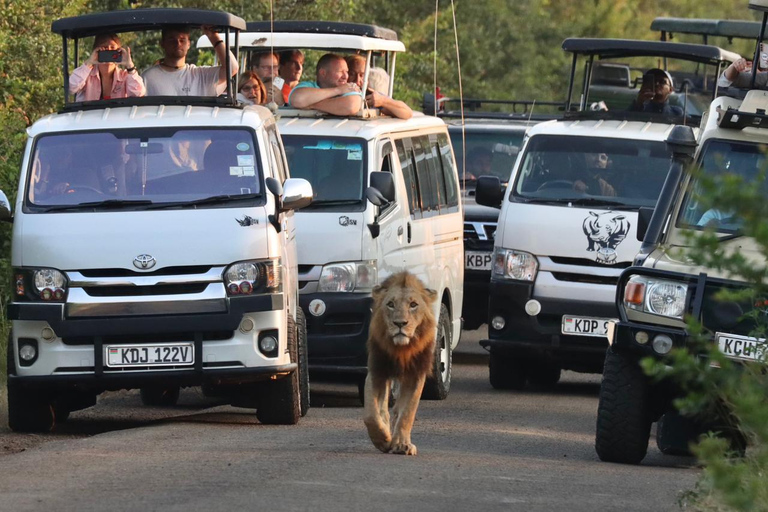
[[404, 448]]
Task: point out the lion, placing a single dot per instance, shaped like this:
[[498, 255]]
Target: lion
[[401, 345]]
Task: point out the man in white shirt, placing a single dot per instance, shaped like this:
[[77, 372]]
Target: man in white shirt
[[172, 76]]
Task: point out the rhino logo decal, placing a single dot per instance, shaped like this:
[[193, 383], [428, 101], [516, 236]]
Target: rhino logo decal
[[605, 231]]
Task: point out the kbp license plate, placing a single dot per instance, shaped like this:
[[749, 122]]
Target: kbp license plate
[[477, 260], [585, 326], [124, 356], [741, 347]]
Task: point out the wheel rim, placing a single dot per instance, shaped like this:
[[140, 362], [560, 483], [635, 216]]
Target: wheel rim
[[443, 365]]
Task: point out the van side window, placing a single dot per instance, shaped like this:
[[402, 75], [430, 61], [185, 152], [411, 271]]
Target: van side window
[[405, 154], [449, 171], [424, 173]]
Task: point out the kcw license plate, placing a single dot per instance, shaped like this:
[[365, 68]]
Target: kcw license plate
[[124, 356], [743, 348], [585, 326]]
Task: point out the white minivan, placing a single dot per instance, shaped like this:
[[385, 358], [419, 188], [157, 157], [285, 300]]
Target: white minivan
[[569, 216], [386, 199], [154, 247]]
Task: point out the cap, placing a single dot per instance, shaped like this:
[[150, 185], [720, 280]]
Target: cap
[[661, 72]]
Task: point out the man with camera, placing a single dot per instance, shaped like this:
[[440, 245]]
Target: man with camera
[[172, 76], [101, 78], [653, 96]]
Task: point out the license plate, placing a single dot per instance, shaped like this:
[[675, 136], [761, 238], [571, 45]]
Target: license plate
[[741, 347], [167, 354], [476, 260], [585, 326]]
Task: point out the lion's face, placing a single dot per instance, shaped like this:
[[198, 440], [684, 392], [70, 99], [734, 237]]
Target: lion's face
[[404, 305]]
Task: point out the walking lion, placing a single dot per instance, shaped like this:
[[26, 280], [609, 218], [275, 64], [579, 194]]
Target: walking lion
[[401, 344]]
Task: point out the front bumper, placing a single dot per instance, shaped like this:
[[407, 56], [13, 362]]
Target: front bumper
[[540, 336], [224, 350], [622, 334], [337, 331]]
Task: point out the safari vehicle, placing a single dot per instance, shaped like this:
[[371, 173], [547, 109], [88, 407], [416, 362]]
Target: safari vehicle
[[663, 289], [169, 257], [490, 133], [569, 219], [386, 199]]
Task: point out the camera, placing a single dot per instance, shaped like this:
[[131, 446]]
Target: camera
[[110, 56]]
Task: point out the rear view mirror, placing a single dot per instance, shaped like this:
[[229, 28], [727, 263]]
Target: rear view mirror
[[489, 191], [151, 148], [297, 193], [5, 208], [384, 184], [644, 215]]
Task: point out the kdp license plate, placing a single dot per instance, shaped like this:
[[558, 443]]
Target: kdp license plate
[[167, 354], [476, 260], [585, 326], [744, 348]]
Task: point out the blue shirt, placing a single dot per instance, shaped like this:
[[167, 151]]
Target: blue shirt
[[314, 85]]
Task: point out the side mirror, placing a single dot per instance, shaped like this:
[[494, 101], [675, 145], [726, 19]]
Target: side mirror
[[5, 208], [274, 186], [489, 191], [375, 197], [297, 193], [384, 184], [644, 215]]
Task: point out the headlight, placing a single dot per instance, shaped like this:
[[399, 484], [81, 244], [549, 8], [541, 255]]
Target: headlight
[[353, 276], [511, 264], [47, 284], [249, 277], [656, 296]]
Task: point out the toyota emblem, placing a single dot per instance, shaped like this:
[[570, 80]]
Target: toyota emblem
[[144, 261]]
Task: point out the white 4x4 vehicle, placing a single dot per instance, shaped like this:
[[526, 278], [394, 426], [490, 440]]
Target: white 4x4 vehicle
[[569, 216], [154, 247]]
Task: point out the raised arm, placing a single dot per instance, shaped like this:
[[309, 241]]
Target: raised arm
[[221, 54]]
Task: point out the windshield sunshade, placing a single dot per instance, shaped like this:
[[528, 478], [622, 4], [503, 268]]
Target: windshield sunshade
[[135, 168], [592, 171]]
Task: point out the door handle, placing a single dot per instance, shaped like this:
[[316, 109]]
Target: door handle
[[400, 231], [409, 232]]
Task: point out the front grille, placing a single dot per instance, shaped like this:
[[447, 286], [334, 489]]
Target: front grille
[[728, 316], [584, 262], [166, 271], [585, 278], [479, 230], [142, 291], [148, 338], [338, 324]]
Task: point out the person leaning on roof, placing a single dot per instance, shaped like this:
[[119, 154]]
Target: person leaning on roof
[[653, 96], [96, 80], [739, 74], [378, 86], [172, 76], [330, 93]]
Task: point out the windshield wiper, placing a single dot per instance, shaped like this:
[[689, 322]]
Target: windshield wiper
[[109, 203], [334, 202], [223, 198], [593, 201]]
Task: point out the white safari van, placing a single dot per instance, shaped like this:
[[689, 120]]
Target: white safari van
[[569, 216], [154, 247], [386, 199]]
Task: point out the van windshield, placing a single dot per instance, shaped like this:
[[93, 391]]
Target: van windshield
[[489, 153], [722, 160], [335, 166], [593, 171], [142, 167]]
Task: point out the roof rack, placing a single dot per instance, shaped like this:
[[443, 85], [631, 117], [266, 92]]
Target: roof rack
[[137, 20], [622, 48], [730, 29]]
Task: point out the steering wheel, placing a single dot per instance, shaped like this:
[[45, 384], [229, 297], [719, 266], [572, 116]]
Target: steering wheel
[[556, 184]]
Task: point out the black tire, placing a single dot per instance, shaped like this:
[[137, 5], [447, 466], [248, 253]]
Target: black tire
[[301, 327], [160, 396], [279, 401], [674, 433], [438, 385], [544, 375], [506, 372], [623, 413]]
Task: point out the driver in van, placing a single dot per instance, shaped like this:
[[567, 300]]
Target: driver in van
[[330, 93], [172, 76], [593, 180], [654, 93]]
